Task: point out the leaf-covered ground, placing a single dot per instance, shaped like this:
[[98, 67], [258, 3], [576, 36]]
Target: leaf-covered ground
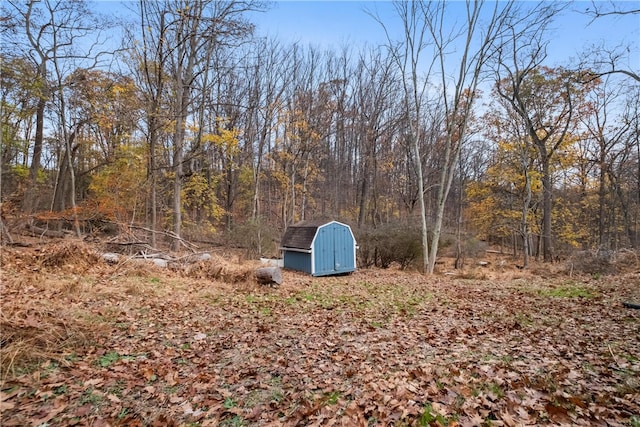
[[85, 343]]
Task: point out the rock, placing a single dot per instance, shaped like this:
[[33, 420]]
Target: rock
[[159, 262], [273, 262], [204, 257], [111, 258]]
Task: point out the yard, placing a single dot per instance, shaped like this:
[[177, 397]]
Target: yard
[[87, 343]]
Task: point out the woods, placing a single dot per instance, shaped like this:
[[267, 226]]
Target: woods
[[195, 126], [204, 225]]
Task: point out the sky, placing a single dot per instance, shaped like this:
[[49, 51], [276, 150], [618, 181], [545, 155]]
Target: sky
[[336, 23], [324, 23]]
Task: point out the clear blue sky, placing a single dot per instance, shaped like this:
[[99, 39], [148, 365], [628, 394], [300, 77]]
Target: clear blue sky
[[325, 23], [334, 23]]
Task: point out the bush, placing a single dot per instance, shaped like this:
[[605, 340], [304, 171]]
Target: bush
[[470, 246], [627, 260], [258, 238], [388, 244], [592, 262]]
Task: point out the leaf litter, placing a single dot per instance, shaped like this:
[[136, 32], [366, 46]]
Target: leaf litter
[[88, 343]]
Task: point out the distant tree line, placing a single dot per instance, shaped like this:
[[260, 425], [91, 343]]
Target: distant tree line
[[193, 127]]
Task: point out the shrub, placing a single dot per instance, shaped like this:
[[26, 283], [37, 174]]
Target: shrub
[[388, 244], [592, 262], [258, 238], [626, 260]]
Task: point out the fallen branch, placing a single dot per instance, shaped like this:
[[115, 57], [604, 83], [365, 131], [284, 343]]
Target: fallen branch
[[187, 244], [40, 232], [4, 233], [614, 356], [631, 305]]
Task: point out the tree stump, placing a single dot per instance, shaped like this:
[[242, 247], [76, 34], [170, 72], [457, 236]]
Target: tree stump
[[269, 275]]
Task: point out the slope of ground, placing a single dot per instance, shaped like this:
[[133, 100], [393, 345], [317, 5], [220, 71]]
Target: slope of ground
[[86, 343]]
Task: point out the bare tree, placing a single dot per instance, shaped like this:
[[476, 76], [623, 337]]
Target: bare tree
[[374, 81], [148, 58], [524, 84], [409, 57], [606, 133], [269, 78], [619, 155], [599, 9], [469, 45], [191, 30], [603, 60], [49, 33], [478, 41]]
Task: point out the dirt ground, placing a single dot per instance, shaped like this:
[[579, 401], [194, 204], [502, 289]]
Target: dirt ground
[[84, 342]]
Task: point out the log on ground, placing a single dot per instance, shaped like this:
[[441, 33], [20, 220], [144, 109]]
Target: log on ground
[[269, 275]]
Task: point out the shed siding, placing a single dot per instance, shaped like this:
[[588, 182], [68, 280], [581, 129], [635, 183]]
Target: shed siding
[[324, 255], [320, 249], [345, 247], [299, 261], [334, 250]]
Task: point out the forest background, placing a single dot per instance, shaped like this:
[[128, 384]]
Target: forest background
[[181, 122]]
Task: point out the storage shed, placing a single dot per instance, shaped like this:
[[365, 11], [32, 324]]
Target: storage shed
[[319, 248]]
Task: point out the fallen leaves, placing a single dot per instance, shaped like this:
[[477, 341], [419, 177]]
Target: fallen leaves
[[373, 348]]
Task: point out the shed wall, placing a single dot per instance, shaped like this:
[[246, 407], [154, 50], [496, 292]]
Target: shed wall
[[297, 261], [320, 249], [333, 250]]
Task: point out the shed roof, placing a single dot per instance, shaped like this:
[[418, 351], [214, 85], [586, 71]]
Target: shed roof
[[300, 235]]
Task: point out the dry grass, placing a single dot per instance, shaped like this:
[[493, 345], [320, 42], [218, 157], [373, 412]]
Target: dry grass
[[32, 332], [219, 269], [75, 282], [73, 254], [199, 330], [51, 297]]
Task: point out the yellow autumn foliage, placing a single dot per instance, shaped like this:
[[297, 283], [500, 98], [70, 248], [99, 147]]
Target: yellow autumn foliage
[[199, 202], [119, 188]]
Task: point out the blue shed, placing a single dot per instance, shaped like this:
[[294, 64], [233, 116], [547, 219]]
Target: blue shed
[[319, 248]]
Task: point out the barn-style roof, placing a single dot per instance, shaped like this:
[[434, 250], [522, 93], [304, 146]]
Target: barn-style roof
[[300, 235]]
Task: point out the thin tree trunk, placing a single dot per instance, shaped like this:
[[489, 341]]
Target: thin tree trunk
[[178, 143], [153, 136], [547, 250], [601, 198], [525, 222], [423, 209], [303, 202], [364, 193], [31, 200]]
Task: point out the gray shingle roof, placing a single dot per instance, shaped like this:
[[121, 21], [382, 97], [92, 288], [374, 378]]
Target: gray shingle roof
[[301, 234]]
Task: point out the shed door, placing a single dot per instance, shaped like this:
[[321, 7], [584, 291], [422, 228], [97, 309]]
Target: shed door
[[334, 250]]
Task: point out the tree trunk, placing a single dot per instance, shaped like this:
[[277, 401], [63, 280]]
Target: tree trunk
[[423, 208], [31, 199], [72, 177], [153, 136], [177, 198], [547, 250], [601, 198], [364, 194], [181, 113]]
